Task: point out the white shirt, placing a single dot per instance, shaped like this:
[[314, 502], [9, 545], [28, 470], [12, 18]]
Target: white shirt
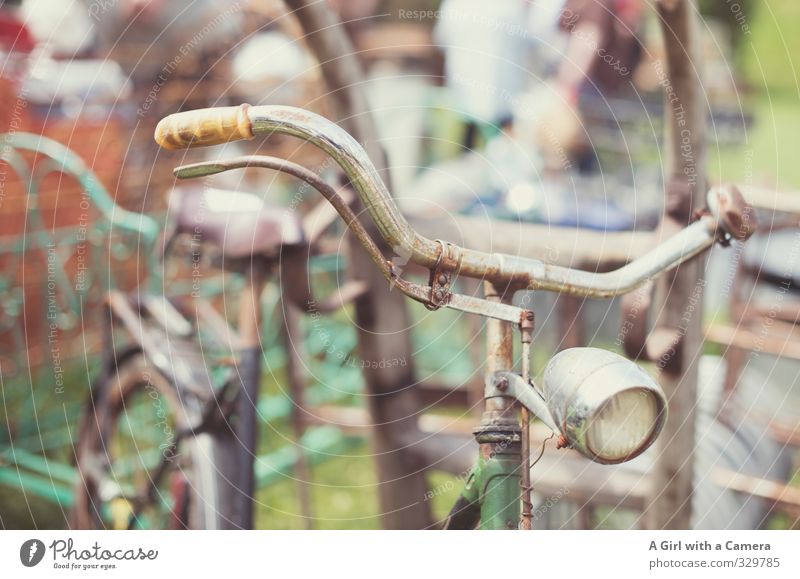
[[484, 45]]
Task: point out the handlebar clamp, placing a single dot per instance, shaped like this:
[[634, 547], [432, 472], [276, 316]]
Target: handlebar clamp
[[735, 217], [441, 276]]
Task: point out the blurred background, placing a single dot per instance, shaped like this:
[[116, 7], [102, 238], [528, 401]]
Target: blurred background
[[539, 113]]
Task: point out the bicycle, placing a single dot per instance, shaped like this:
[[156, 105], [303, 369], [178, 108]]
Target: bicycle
[[599, 403], [193, 378]]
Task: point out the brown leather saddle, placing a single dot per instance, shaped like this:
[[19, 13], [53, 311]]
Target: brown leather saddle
[[241, 226]]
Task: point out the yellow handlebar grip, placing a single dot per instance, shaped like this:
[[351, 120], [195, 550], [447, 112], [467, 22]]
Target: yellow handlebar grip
[[204, 127]]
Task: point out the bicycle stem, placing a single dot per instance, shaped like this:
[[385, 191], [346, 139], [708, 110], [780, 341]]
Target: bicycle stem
[[214, 126]]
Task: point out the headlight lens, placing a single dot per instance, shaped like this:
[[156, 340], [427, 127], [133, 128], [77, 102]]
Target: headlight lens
[[607, 408], [623, 424]]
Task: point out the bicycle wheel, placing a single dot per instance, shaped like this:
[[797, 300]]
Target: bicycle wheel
[[134, 469]]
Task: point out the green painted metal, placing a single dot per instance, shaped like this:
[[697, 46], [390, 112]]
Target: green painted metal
[[63, 160], [36, 445], [37, 464], [114, 219], [494, 485], [35, 455], [36, 484], [24, 467], [52, 480], [500, 492], [46, 441]]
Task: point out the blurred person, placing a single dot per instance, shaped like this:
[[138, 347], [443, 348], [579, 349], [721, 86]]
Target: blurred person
[[156, 37], [16, 45], [63, 28], [548, 41], [603, 48], [484, 45], [14, 34], [602, 52], [16, 39]]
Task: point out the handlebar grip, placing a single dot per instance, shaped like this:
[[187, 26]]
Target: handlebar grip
[[204, 127]]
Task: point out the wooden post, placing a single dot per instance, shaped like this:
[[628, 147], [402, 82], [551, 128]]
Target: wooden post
[[381, 314], [295, 374], [680, 293]]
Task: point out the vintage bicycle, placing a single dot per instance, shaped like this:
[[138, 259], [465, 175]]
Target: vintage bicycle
[[169, 433], [597, 402]]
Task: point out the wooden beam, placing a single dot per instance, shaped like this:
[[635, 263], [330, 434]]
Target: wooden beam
[[783, 201], [786, 345], [566, 246], [381, 315], [782, 496], [670, 504]]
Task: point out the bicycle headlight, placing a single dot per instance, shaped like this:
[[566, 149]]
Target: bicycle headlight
[[606, 407]]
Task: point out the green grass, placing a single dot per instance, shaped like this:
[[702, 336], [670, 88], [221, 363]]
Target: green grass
[[344, 490], [766, 59], [344, 495], [768, 54], [767, 154]]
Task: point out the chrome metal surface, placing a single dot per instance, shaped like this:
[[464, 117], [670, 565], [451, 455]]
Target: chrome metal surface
[[527, 395], [501, 268], [579, 382], [468, 304]]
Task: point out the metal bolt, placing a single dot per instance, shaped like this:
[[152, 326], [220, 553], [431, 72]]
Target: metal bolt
[[502, 384], [442, 279], [439, 294]]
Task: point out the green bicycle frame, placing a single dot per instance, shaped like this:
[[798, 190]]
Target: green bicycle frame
[[492, 491], [498, 485]]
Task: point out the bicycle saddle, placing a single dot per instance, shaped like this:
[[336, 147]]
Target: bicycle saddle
[[240, 225]]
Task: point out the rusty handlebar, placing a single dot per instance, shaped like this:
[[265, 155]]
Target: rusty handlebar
[[727, 216]]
